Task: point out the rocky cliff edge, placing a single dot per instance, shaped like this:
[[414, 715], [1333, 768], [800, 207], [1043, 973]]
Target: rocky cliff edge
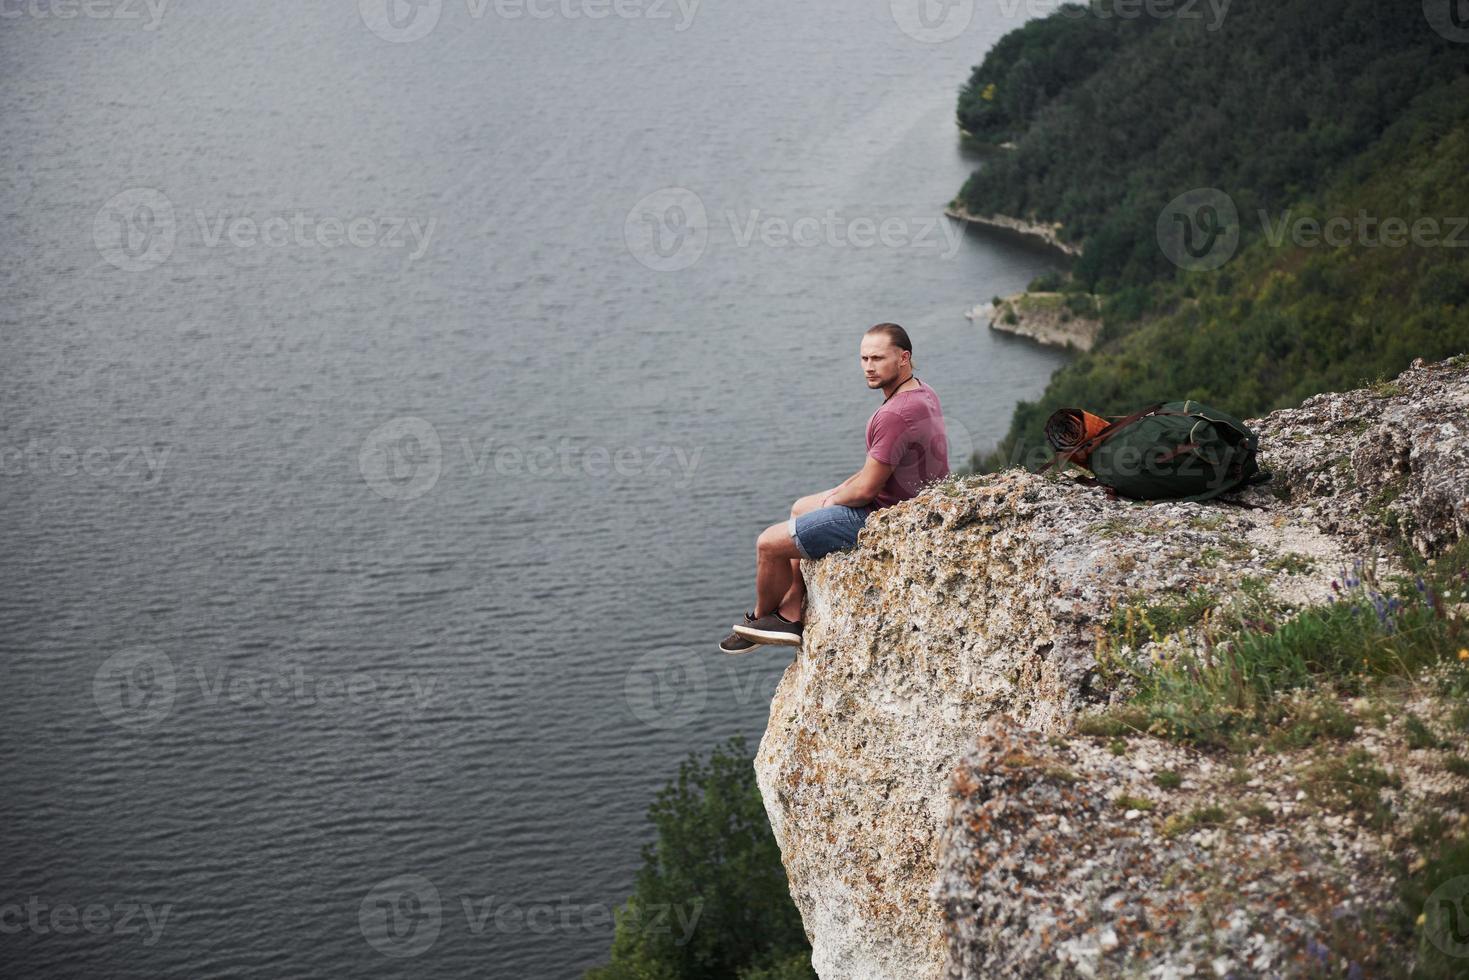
[[965, 630]]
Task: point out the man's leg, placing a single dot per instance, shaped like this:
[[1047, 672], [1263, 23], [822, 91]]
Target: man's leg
[[790, 603], [775, 554], [778, 574]]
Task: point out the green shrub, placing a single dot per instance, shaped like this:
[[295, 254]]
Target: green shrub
[[711, 900], [1204, 816], [1081, 304], [1046, 282], [1167, 779], [1419, 736]]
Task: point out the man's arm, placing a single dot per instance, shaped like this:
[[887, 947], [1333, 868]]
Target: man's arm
[[859, 488]]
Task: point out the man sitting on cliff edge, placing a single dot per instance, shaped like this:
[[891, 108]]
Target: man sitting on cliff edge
[[906, 448]]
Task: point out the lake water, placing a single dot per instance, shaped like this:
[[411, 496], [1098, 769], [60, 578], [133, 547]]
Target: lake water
[[391, 398]]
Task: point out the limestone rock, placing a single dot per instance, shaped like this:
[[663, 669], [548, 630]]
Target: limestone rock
[[1041, 868], [986, 596], [1395, 454]]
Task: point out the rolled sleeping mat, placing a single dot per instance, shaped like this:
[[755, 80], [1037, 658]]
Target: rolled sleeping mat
[[1069, 428]]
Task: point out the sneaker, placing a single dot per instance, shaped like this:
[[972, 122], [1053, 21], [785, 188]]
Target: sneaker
[[734, 643], [771, 629]]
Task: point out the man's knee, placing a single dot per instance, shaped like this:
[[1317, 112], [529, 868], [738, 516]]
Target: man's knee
[[806, 504], [773, 539]]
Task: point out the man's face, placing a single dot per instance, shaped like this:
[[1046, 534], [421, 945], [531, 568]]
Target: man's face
[[882, 361]]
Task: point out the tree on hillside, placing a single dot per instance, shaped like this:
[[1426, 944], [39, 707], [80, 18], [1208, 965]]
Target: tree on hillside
[[711, 901]]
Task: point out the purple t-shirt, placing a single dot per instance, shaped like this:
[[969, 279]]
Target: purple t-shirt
[[907, 433]]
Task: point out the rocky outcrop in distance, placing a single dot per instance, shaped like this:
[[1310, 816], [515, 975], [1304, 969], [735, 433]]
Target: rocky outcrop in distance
[[1045, 317], [1050, 234]]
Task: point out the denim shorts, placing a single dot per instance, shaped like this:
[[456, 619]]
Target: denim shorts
[[820, 532]]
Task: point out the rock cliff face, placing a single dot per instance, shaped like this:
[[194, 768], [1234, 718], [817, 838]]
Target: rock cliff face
[[1065, 856], [964, 629]]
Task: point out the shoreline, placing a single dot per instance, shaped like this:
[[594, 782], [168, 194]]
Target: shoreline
[[1043, 317], [1048, 234]]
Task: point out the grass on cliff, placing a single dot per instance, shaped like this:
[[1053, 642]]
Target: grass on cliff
[[1251, 678], [1307, 684]]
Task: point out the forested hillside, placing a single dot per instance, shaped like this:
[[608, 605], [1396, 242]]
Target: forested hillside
[[1293, 113]]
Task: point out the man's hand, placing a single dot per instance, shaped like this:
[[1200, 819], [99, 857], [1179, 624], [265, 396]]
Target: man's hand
[[859, 488]]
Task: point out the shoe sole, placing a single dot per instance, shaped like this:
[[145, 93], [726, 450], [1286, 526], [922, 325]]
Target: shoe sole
[[752, 646], [781, 639]]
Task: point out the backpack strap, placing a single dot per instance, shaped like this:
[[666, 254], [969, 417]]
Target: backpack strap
[[1178, 452], [1101, 437]]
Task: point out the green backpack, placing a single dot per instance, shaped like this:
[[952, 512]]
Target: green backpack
[[1171, 451]]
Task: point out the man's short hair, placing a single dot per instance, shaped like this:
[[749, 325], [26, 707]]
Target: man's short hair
[[895, 333]]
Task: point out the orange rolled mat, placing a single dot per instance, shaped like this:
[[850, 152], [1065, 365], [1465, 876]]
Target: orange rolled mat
[[1068, 428]]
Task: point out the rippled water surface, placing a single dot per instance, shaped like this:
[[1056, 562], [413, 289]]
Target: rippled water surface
[[389, 409]]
